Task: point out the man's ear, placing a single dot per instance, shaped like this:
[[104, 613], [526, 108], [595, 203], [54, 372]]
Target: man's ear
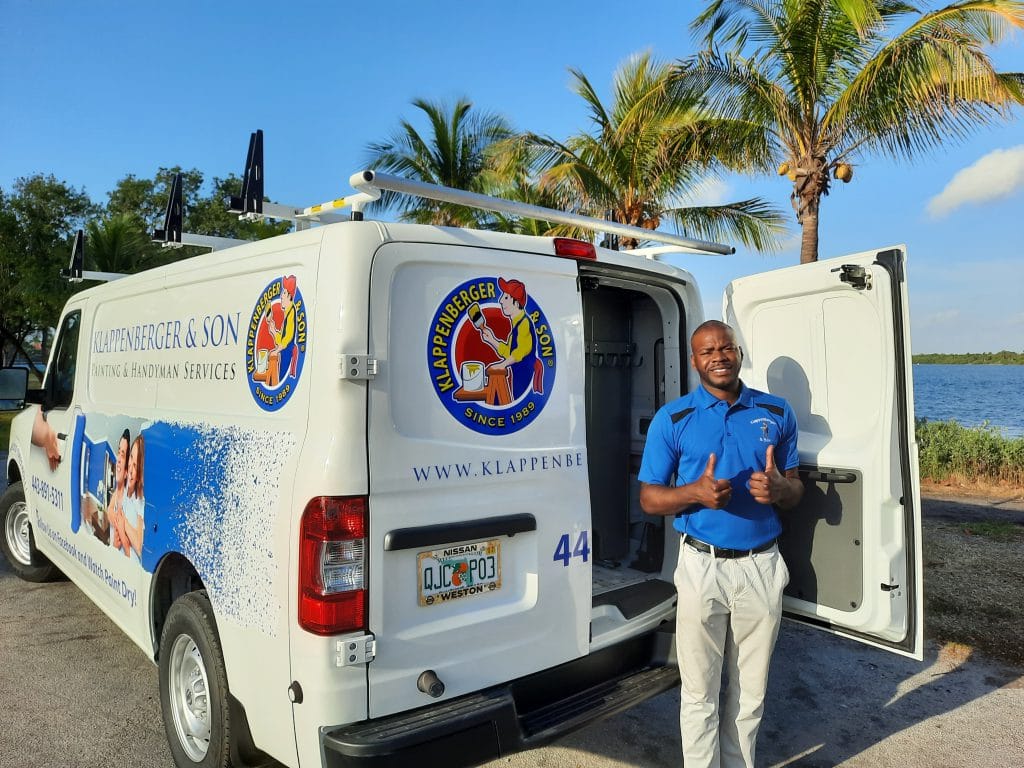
[[740, 350]]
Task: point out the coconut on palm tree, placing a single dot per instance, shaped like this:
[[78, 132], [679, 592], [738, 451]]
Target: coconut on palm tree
[[825, 82], [645, 156], [451, 154]]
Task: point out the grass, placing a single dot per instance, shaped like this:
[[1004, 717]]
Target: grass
[[949, 451], [5, 428], [973, 587]]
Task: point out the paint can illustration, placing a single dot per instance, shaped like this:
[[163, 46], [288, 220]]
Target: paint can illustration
[[472, 376]]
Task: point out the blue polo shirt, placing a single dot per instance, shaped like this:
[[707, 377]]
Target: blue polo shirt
[[686, 431]]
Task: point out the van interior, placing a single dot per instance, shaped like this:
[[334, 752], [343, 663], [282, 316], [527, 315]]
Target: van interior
[[633, 335]]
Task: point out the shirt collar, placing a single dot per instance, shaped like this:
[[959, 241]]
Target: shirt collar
[[706, 400]]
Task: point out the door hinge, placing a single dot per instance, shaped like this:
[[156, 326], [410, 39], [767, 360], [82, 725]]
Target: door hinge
[[855, 275], [361, 650], [357, 367]]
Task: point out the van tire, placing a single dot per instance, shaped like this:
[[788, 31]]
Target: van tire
[[194, 685], [16, 538]]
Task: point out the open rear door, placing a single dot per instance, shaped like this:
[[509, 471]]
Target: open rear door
[[832, 338]]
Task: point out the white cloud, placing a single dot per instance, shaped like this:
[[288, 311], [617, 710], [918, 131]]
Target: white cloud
[[945, 317], [998, 174], [709, 192]]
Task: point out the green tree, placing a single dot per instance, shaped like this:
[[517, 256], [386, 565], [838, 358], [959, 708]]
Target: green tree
[[825, 82], [646, 153], [205, 206], [37, 221], [119, 244], [453, 154]]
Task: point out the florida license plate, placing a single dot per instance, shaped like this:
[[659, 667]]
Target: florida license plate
[[460, 571]]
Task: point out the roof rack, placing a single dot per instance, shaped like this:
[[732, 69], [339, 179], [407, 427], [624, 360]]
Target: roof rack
[[171, 236], [250, 206], [75, 274], [372, 182]]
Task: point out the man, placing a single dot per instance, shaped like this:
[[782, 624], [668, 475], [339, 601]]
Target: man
[[725, 444]]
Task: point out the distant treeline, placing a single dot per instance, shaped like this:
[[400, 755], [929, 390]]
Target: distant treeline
[[973, 358]]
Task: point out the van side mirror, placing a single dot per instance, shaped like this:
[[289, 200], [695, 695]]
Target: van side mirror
[[13, 388]]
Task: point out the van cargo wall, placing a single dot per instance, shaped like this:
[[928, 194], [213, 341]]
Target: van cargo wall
[[609, 357]]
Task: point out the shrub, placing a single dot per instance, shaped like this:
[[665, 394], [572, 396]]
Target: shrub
[[948, 450]]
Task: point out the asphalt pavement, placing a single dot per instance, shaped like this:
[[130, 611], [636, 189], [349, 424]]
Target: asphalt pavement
[[75, 692]]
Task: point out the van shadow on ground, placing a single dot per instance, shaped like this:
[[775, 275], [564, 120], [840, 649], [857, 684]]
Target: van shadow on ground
[[830, 699]]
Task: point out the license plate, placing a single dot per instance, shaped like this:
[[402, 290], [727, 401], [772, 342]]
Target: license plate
[[460, 571]]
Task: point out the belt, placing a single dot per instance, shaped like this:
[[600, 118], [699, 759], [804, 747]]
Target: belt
[[730, 554]]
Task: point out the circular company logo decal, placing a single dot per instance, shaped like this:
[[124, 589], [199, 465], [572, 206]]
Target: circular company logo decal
[[491, 355], [275, 343]]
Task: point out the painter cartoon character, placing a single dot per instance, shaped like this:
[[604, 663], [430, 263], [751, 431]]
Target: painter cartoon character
[[276, 343], [279, 361], [519, 363]]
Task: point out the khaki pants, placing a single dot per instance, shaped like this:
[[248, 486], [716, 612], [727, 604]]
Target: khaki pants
[[728, 616]]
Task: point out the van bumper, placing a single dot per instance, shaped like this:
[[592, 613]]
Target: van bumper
[[488, 724]]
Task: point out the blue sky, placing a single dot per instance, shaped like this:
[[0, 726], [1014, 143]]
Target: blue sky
[[95, 91]]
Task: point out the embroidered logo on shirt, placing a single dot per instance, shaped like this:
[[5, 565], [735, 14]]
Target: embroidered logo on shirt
[[766, 425]]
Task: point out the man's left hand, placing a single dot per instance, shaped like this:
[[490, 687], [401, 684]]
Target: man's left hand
[[767, 487]]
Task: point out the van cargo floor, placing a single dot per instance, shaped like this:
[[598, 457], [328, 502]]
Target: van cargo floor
[[606, 579], [636, 599]]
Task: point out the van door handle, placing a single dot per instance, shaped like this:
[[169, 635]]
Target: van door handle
[[828, 477], [467, 530]]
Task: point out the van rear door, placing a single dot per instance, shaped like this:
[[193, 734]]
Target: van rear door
[[832, 337], [479, 543]]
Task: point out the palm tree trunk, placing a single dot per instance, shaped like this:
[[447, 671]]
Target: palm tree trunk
[[809, 237]]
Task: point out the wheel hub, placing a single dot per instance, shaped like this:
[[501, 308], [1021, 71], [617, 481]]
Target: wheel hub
[[190, 704], [18, 532]]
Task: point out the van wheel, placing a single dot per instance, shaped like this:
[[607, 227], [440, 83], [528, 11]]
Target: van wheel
[[194, 685], [17, 543]]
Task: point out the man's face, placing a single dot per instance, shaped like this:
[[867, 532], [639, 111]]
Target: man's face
[[286, 298], [716, 358]]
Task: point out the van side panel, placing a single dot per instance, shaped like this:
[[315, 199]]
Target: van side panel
[[180, 361]]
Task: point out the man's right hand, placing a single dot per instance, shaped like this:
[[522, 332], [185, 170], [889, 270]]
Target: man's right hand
[[712, 493]]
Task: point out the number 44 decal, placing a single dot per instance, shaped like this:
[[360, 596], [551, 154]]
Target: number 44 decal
[[580, 550]]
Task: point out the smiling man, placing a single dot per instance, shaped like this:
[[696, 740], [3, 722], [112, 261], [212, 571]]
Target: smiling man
[[732, 453]]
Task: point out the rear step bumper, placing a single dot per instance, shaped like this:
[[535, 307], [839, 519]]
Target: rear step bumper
[[483, 726]]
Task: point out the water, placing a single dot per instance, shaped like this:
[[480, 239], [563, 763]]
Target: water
[[972, 395]]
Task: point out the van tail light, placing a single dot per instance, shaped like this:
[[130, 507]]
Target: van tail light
[[574, 249], [332, 565]]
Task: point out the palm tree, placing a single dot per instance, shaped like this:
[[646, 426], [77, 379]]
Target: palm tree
[[119, 244], [647, 150], [452, 154], [825, 82]]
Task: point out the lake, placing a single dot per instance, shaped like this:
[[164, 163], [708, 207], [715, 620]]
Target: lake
[[971, 395]]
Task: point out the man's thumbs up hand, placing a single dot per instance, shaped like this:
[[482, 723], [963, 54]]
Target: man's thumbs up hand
[[712, 493], [766, 487]]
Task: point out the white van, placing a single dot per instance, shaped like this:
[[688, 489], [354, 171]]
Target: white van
[[367, 492]]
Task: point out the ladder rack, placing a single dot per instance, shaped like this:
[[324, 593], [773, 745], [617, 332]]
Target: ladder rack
[[371, 182], [250, 206]]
